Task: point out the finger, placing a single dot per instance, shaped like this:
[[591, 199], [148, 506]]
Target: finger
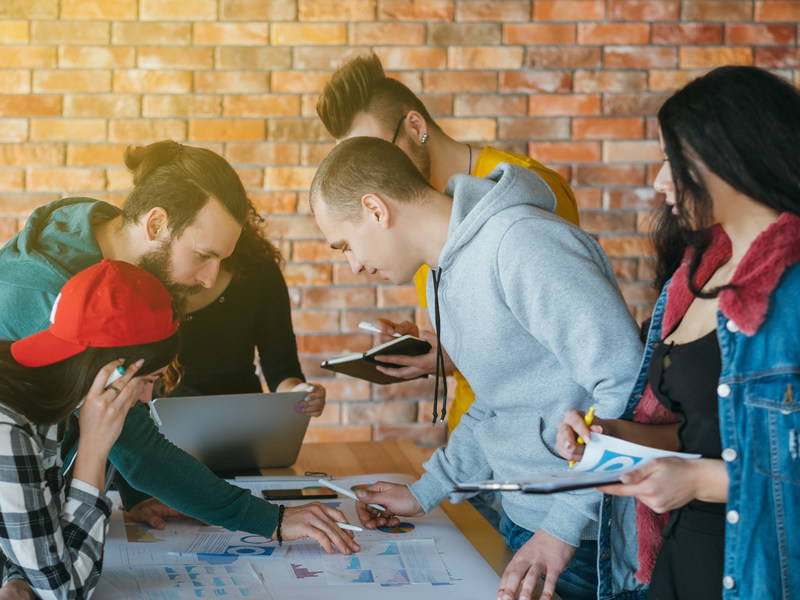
[[153, 519], [509, 583], [99, 383], [130, 373], [529, 582], [619, 490], [549, 587], [320, 537], [405, 328], [334, 533]]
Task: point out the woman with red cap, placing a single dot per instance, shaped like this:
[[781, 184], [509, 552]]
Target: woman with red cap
[[112, 334]]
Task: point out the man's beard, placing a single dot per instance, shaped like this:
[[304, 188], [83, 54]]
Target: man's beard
[[158, 262]]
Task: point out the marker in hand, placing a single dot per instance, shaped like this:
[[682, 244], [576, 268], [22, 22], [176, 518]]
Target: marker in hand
[[349, 527], [587, 418], [369, 327], [347, 493]]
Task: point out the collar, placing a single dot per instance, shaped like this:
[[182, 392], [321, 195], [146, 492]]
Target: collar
[[756, 277]]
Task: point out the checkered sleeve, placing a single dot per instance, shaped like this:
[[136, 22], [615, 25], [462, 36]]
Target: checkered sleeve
[[57, 549]]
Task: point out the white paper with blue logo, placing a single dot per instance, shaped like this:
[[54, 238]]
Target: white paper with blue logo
[[604, 460]]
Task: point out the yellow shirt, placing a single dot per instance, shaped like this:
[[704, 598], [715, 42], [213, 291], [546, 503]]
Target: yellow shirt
[[566, 208]]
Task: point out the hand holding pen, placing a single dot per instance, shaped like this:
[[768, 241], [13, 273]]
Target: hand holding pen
[[576, 425]]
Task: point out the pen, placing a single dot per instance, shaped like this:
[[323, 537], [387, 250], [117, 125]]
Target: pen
[[153, 413], [349, 527], [369, 327], [347, 493], [587, 418]]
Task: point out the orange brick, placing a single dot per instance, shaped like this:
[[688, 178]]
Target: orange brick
[[536, 34], [299, 81], [68, 130], [177, 10], [193, 105], [565, 152], [387, 33], [252, 178], [693, 33], [70, 32], [558, 104], [66, 179], [699, 58], [604, 222], [314, 58], [31, 155], [490, 105], [274, 202], [305, 274], [773, 10], [644, 10], [175, 58], [760, 35], [14, 32], [288, 178], [555, 57], [95, 155], [671, 80], [588, 198], [297, 130], [636, 57], [106, 10], [412, 58], [622, 246], [607, 128], [336, 10], [569, 10], [94, 57], [535, 81], [356, 297], [227, 129], [147, 81], [493, 10], [28, 57], [157, 34], [778, 58], [716, 10], [411, 79], [8, 228], [315, 252], [390, 296], [298, 34], [637, 198], [101, 105], [262, 154], [415, 10], [231, 34], [24, 204], [30, 106], [463, 81], [609, 175], [533, 129], [12, 180], [613, 33], [484, 58], [315, 320], [631, 152], [461, 34], [261, 58], [231, 82], [261, 106], [609, 81], [480, 130], [258, 10], [625, 105], [119, 179], [72, 81], [143, 131], [438, 104]]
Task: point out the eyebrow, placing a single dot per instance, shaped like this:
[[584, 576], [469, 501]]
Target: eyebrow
[[207, 251]]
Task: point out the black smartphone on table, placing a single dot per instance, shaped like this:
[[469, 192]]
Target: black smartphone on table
[[313, 493]]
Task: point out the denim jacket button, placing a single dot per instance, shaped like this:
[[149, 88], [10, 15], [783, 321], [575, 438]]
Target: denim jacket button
[[724, 390], [728, 582], [729, 455], [732, 517], [731, 326]]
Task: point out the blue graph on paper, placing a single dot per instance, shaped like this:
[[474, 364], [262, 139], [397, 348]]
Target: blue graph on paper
[[614, 461]]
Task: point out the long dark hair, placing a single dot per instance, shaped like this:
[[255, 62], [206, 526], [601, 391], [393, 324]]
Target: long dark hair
[[743, 124], [49, 394], [252, 248]]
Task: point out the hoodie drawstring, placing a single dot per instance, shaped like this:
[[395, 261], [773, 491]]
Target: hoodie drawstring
[[437, 276]]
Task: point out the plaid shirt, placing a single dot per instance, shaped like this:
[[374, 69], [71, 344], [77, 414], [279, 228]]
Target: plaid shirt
[[52, 541]]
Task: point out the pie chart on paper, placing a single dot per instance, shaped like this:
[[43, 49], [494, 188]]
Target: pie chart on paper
[[401, 528]]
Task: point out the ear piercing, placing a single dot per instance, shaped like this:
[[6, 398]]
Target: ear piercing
[[424, 138]]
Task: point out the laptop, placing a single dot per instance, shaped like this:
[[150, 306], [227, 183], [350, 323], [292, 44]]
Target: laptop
[[235, 434]]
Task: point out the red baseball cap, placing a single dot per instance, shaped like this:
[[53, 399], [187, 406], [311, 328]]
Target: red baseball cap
[[109, 305]]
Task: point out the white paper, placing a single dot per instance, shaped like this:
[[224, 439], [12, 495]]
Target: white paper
[[179, 582], [387, 563]]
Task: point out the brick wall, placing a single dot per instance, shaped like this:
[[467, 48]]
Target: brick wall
[[575, 83]]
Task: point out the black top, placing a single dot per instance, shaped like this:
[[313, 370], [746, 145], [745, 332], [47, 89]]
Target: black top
[[218, 341], [684, 378]]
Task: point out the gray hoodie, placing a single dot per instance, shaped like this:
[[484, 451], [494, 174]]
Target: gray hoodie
[[532, 317]]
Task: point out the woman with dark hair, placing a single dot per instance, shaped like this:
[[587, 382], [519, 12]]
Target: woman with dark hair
[[112, 335], [248, 307], [721, 370]]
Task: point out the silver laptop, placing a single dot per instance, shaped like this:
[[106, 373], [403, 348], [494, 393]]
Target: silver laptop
[[238, 433]]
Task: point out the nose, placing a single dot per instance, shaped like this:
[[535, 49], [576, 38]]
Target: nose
[[663, 182], [207, 276], [357, 267], [146, 393]]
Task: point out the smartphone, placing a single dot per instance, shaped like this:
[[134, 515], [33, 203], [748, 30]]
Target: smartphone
[[309, 493]]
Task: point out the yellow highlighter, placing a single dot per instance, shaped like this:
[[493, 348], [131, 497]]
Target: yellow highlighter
[[587, 418]]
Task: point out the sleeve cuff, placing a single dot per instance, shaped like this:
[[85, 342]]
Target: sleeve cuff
[[429, 492], [565, 523], [80, 491]]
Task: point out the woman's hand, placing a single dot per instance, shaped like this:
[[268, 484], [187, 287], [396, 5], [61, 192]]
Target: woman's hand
[[314, 402], [317, 521], [570, 428]]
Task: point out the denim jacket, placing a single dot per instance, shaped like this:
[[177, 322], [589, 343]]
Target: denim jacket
[[758, 328]]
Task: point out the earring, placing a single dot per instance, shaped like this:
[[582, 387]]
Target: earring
[[424, 138]]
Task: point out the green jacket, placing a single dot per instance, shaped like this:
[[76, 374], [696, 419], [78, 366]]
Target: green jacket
[[58, 242]]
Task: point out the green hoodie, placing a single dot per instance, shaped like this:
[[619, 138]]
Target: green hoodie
[[57, 242]]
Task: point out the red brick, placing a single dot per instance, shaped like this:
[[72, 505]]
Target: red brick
[[306, 274], [760, 35], [569, 10], [390, 296], [644, 10], [462, 81], [674, 34], [177, 10], [671, 80], [336, 10], [315, 320], [106, 10], [635, 57], [258, 10], [493, 10], [479, 130], [318, 435], [537, 34], [624, 269], [315, 252], [565, 152], [588, 198], [485, 58], [490, 105], [717, 10], [144, 131], [547, 82], [230, 34], [351, 318], [405, 34], [462, 34], [155, 34], [533, 129], [786, 10], [232, 82], [415, 10], [700, 58], [439, 104], [30, 106], [632, 104], [563, 104], [555, 57], [101, 105], [70, 32], [605, 222], [299, 81], [613, 33], [631, 152], [311, 58], [411, 79], [609, 175], [623, 246], [609, 81], [350, 297], [412, 58], [778, 58], [607, 128], [31, 155]]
